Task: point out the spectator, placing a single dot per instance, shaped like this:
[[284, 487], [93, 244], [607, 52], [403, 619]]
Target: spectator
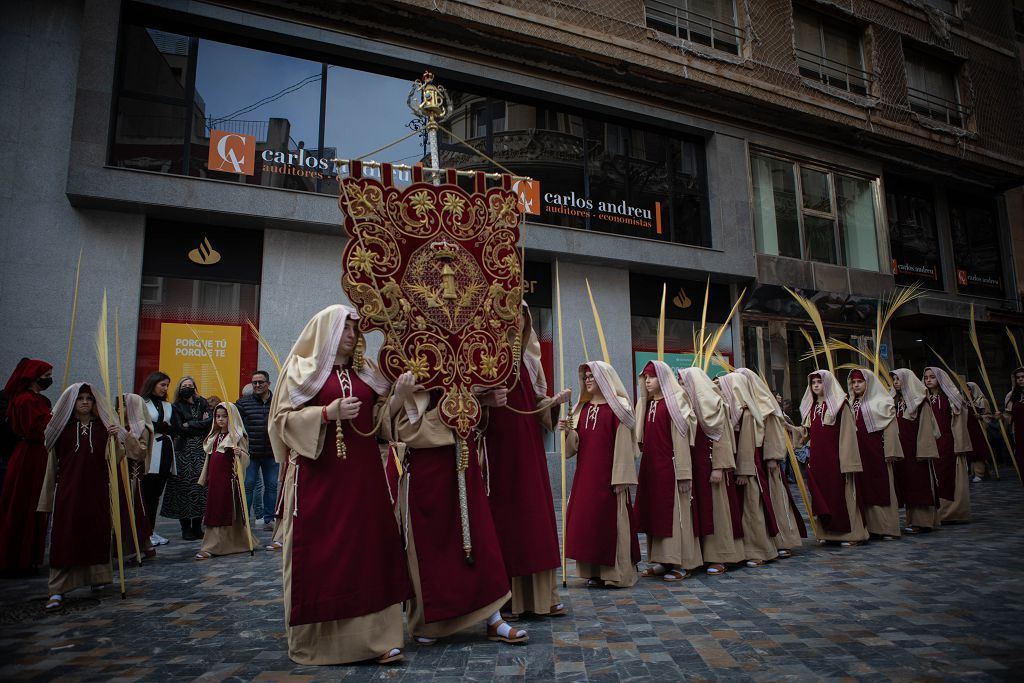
[[166, 424], [186, 499], [255, 410]]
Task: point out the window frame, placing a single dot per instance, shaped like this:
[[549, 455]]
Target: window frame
[[851, 70], [952, 70], [838, 235], [681, 23]]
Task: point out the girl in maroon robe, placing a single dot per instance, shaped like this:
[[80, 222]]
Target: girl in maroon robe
[[1013, 406], [517, 479], [665, 428], [978, 418], [600, 530], [914, 475], [717, 516], [22, 527], [954, 443], [227, 452], [344, 568], [76, 490], [879, 442], [829, 425]]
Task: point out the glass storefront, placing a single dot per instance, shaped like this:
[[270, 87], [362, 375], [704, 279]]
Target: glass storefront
[[190, 105]]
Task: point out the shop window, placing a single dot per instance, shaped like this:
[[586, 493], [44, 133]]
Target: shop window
[[913, 237], [829, 52], [487, 117], [199, 282], [832, 222], [974, 227], [932, 89], [706, 22]]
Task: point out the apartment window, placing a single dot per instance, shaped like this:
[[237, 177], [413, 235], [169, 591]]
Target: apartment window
[[707, 22], [829, 52], [947, 6], [913, 235], [814, 213], [932, 89], [487, 115]]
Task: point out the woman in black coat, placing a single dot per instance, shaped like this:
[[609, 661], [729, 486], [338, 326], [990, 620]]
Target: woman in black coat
[[185, 499]]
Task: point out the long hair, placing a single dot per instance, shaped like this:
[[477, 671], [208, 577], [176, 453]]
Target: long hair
[[150, 384]]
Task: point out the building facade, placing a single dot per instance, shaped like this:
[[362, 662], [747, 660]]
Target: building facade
[[841, 147]]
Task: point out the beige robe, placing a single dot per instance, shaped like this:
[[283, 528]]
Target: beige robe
[[682, 549], [429, 432], [849, 465], [720, 547], [884, 520], [925, 516], [959, 509], [775, 450], [757, 544], [228, 540], [329, 642], [623, 574]]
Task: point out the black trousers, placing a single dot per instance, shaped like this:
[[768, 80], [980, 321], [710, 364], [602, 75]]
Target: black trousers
[[152, 488]]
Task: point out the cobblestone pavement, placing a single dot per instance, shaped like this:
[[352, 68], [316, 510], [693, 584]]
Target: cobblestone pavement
[[933, 606]]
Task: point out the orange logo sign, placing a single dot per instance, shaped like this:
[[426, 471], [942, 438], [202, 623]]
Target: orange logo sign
[[204, 254], [961, 277], [232, 152], [529, 195]]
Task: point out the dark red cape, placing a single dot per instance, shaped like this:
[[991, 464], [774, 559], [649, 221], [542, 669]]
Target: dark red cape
[[913, 477], [22, 529], [826, 480], [770, 521], [347, 554], [450, 587], [520, 488], [222, 495], [873, 482], [656, 487], [979, 447], [81, 505], [945, 468]]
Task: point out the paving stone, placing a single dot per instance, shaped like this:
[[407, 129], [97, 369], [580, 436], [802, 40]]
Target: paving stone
[[931, 606]]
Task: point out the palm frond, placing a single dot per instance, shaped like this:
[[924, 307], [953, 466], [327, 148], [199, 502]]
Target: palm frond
[[810, 343], [600, 330], [213, 364], [699, 350], [713, 342], [264, 345], [815, 315], [583, 339], [1016, 349], [661, 324]]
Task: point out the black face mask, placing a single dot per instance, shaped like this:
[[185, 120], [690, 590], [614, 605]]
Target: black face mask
[[44, 382], [187, 392]]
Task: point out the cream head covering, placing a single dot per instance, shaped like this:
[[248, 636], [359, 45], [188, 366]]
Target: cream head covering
[[236, 436], [876, 406], [764, 399], [1013, 385], [738, 395], [977, 397], [136, 415], [531, 356], [64, 409], [308, 365], [611, 388], [676, 402], [707, 403], [832, 394], [912, 391], [948, 387]]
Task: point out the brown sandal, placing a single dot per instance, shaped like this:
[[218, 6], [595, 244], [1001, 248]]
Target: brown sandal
[[674, 575], [557, 610], [203, 555], [716, 569], [652, 571], [388, 658], [511, 638]]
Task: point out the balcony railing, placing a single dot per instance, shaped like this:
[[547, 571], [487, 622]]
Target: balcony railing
[[935, 107], [831, 72], [257, 129], [694, 27]]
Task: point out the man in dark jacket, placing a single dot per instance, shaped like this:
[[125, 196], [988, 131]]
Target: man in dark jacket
[[255, 410]]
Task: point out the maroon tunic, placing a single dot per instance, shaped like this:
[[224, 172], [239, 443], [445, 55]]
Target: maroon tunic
[[347, 555], [656, 487], [22, 529], [770, 521], [913, 477], [945, 468], [873, 482], [826, 479], [81, 504], [520, 488], [591, 521], [222, 496], [702, 505], [1017, 414], [976, 430], [450, 587]]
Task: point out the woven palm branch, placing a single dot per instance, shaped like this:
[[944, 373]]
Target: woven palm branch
[[815, 315], [264, 345], [712, 344], [813, 352]]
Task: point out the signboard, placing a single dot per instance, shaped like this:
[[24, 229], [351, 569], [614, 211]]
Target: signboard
[[678, 361], [183, 354]]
